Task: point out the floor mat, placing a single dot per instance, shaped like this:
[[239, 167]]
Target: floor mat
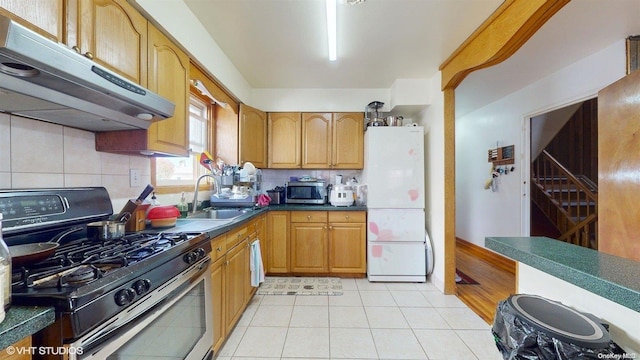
[[300, 286], [464, 279]]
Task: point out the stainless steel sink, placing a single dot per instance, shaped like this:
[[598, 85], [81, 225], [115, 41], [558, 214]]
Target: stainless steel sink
[[225, 213]]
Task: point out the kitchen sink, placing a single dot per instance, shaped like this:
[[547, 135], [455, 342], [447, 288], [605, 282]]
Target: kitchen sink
[[224, 213]]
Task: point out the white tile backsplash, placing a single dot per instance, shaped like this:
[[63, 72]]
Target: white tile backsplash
[[5, 144], [36, 147], [37, 154], [80, 156]]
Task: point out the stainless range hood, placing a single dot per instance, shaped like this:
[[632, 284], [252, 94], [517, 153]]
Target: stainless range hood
[[44, 80]]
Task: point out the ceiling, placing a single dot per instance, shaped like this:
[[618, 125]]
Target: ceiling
[[282, 43]]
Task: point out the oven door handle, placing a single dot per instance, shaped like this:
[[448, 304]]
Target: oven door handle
[[151, 306]]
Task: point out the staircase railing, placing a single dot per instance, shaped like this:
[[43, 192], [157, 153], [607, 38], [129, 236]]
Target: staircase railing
[[566, 200]]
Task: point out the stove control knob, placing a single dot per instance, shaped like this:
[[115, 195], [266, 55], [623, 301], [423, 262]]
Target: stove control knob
[[125, 296], [141, 286], [200, 253], [190, 257]]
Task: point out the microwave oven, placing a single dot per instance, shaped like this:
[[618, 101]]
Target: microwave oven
[[306, 192]]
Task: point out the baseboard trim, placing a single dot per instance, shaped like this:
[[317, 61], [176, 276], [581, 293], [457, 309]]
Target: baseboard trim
[[487, 255]]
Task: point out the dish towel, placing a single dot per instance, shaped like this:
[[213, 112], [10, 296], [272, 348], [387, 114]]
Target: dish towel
[[256, 267]]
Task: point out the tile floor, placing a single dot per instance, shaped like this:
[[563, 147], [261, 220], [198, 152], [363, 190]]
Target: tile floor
[[369, 321]]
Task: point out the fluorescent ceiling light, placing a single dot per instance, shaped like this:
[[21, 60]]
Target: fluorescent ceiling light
[[331, 29]]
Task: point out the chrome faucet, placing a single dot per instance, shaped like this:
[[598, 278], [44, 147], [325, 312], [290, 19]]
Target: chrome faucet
[[195, 192]]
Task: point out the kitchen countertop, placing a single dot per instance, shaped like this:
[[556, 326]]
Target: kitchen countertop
[[606, 275], [22, 321], [216, 227]]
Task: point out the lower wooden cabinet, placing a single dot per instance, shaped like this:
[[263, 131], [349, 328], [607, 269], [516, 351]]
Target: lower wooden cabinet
[[25, 343], [217, 297], [331, 242], [277, 242], [235, 283], [347, 242]]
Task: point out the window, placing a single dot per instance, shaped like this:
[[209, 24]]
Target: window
[[173, 171]]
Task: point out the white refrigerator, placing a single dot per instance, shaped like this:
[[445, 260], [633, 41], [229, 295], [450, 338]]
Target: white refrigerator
[[394, 174]]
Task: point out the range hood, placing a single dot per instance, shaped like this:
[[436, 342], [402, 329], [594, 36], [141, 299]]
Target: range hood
[[44, 80]]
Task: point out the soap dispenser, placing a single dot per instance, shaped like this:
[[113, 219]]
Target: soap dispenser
[[183, 206]]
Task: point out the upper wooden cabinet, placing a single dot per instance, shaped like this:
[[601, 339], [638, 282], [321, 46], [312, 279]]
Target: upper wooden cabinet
[[253, 136], [284, 140], [316, 140], [348, 141], [45, 17], [112, 33], [167, 76], [332, 140]]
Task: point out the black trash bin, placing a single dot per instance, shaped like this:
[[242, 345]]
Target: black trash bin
[[528, 327]]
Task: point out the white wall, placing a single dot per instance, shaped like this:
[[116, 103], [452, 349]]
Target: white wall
[[481, 213], [432, 118]]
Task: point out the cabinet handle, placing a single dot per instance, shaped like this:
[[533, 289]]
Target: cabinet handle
[[330, 227], [308, 217], [346, 217], [219, 249], [88, 55], [75, 48]]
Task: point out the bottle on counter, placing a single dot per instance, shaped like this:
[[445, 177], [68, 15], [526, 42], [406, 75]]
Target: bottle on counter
[[5, 275], [183, 207]]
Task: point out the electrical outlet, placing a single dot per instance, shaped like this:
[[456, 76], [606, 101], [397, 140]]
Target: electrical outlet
[[134, 177]]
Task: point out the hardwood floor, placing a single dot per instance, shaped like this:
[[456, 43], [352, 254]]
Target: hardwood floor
[[494, 273]]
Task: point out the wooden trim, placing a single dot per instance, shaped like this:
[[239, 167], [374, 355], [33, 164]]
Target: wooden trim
[[493, 258], [449, 192], [499, 37]]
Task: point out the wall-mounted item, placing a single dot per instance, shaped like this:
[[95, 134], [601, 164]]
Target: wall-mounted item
[[502, 155]]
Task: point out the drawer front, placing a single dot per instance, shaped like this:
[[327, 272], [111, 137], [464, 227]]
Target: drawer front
[[308, 216], [347, 216], [219, 247], [236, 235]]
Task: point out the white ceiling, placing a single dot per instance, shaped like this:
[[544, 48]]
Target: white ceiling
[[579, 29], [282, 43]]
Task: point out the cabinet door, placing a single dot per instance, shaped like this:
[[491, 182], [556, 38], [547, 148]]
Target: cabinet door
[[316, 140], [114, 35], [348, 141], [347, 248], [309, 251], [284, 140], [278, 235], [253, 136], [235, 274], [217, 297], [45, 17], [169, 77], [24, 343], [261, 234]]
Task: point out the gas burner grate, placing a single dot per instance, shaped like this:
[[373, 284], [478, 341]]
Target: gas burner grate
[[92, 260]]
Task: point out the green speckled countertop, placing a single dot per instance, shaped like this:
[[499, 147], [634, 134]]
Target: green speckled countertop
[[22, 321], [612, 277], [214, 228], [323, 207]]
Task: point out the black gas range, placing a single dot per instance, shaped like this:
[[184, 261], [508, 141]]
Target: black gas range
[[90, 282]]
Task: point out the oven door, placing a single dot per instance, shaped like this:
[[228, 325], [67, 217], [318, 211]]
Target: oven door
[[174, 322]]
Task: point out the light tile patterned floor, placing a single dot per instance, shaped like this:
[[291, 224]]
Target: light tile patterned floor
[[370, 321]]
